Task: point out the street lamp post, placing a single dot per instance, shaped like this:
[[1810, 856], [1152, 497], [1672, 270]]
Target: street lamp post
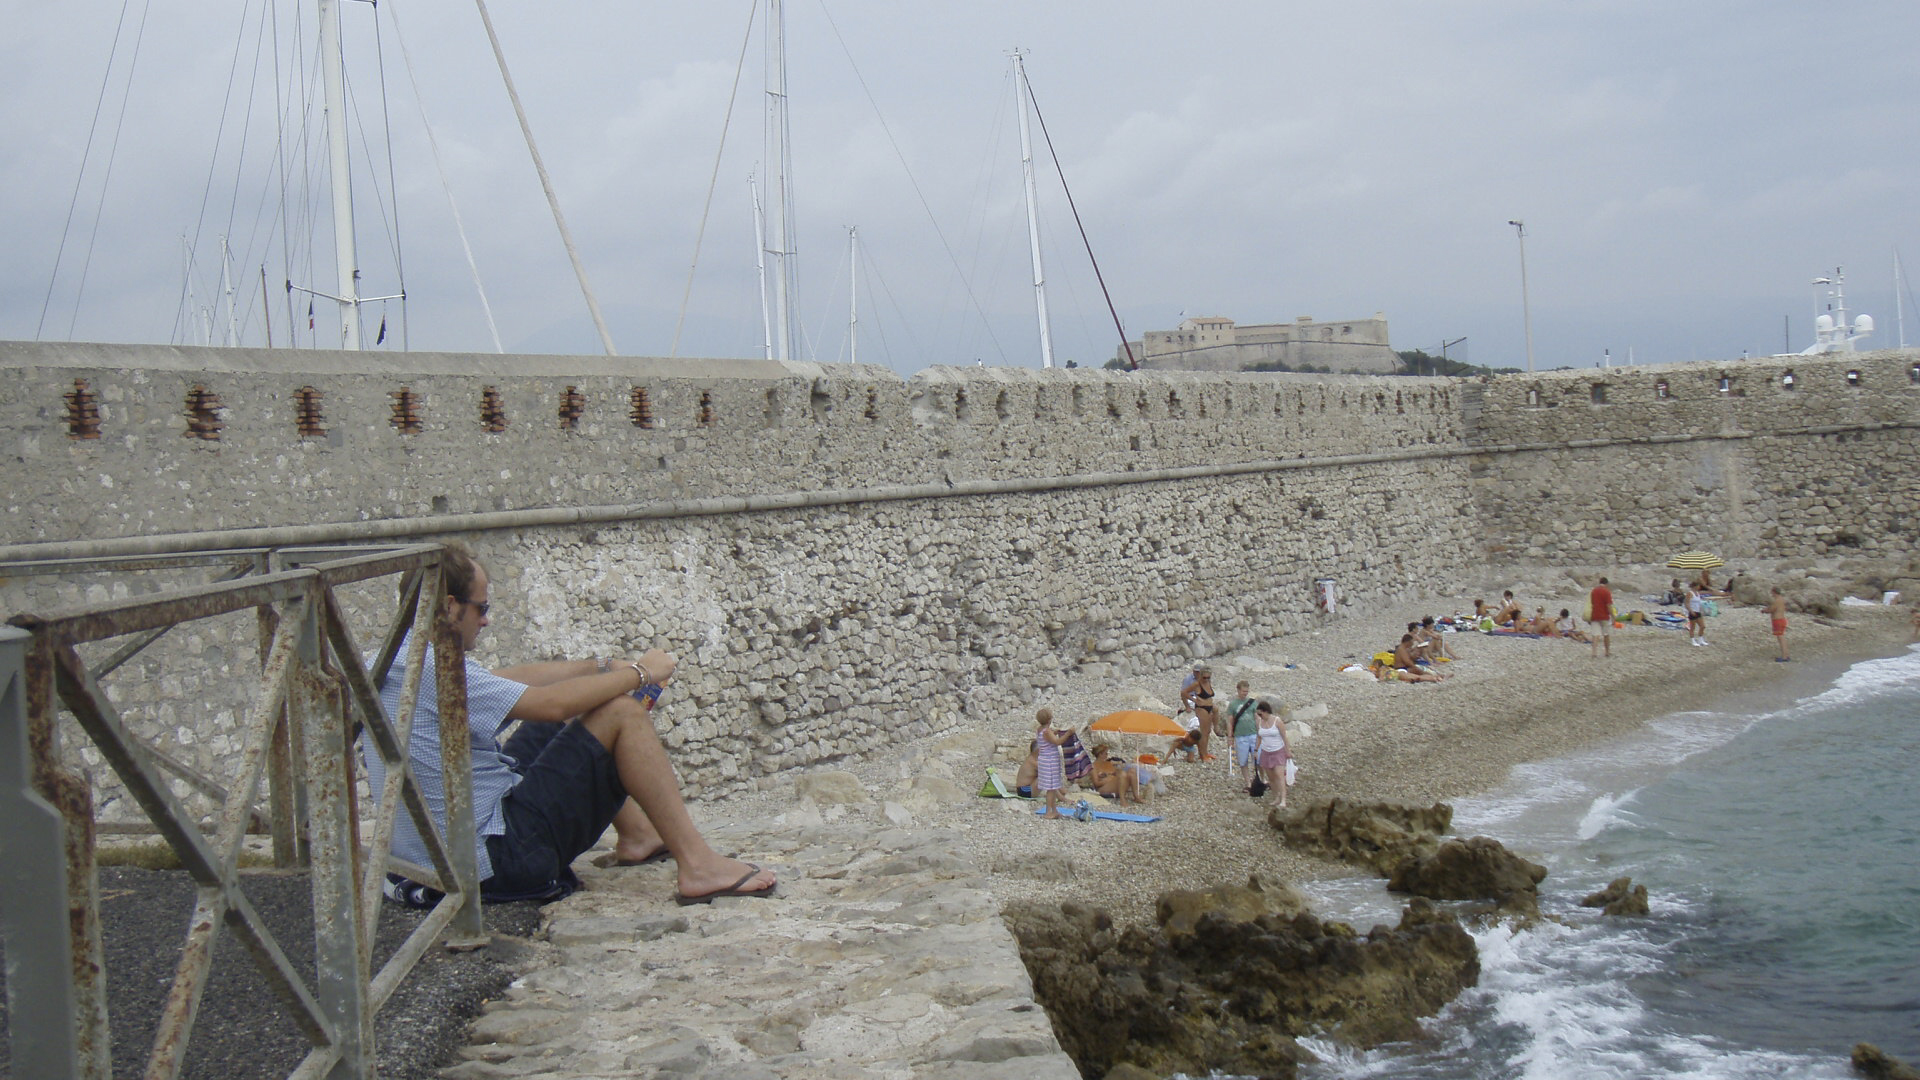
[[1526, 306]]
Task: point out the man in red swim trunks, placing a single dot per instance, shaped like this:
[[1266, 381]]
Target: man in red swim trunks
[[1600, 618], [1777, 608]]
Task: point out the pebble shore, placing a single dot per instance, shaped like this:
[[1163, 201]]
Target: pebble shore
[[883, 955]]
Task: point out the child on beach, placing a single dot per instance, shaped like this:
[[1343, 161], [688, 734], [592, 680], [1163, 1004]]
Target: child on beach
[[1050, 775], [1274, 750]]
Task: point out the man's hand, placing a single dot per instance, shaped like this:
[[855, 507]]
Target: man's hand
[[659, 664]]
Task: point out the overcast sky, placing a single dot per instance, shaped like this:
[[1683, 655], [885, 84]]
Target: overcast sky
[[1685, 168]]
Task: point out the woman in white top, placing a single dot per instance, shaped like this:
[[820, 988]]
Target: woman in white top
[[1274, 751]]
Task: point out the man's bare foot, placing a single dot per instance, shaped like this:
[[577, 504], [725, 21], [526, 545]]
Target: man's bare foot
[[632, 854], [724, 875]]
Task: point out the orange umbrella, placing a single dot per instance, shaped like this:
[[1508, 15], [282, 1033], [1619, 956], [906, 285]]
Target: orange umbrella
[[1137, 722]]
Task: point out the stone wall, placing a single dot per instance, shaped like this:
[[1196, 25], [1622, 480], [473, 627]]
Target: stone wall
[[920, 550], [1781, 457], [845, 557]]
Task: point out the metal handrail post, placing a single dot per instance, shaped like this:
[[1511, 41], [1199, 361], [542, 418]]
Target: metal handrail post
[[57, 1020], [456, 772], [334, 844]]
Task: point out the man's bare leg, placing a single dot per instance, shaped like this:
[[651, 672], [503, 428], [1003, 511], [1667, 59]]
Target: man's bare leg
[[637, 839], [625, 728]]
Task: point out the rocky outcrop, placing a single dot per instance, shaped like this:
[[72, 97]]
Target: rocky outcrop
[[1179, 912], [1478, 868], [1232, 994], [1620, 897], [1876, 1064], [1379, 836]]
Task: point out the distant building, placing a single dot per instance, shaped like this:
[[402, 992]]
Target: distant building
[[1216, 344]]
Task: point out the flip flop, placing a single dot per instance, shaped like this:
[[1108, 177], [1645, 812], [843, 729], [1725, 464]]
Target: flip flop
[[731, 890], [607, 860]]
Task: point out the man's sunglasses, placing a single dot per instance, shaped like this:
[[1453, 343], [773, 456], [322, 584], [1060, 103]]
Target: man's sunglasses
[[481, 607]]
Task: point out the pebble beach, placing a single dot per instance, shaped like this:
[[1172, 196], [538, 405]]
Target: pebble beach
[[1508, 700]]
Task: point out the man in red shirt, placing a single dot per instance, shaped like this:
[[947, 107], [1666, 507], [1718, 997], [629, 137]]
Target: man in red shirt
[[1600, 618]]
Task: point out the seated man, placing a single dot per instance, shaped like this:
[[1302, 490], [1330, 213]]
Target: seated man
[[586, 756], [1406, 655], [1438, 640], [1029, 772]]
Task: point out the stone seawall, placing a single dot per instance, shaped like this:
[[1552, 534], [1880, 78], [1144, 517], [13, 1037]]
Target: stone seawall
[[845, 557], [1777, 458]]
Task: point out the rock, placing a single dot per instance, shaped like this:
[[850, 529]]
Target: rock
[[831, 788], [940, 789], [1127, 1070], [1232, 996], [1620, 897], [1378, 836], [896, 814], [1478, 868], [1315, 711], [1180, 911], [1875, 1064]]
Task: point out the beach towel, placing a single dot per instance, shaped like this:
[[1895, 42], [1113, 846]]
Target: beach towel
[[1075, 758], [1083, 812]]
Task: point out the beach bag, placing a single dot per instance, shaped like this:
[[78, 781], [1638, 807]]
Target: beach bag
[[995, 788], [1258, 787], [1710, 607]]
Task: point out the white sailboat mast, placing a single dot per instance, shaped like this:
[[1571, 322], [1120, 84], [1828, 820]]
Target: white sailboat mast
[[853, 294], [779, 158], [1899, 298], [1033, 218], [760, 266], [346, 260]]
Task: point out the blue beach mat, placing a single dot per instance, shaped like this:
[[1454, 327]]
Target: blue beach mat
[[1083, 812]]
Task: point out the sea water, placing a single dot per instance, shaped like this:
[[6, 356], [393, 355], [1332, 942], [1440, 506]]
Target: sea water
[[1780, 846]]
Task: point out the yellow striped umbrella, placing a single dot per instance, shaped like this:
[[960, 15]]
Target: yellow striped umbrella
[[1696, 560]]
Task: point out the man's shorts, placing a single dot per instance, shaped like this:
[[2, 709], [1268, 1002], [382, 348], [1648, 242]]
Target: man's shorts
[[1244, 748], [567, 795], [1779, 627]]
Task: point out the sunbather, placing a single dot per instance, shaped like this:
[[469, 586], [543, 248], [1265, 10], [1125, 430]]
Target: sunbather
[[1509, 613], [1112, 778], [1386, 672], [1436, 641]]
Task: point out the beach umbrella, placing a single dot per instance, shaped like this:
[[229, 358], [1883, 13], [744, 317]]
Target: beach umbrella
[[1137, 722], [1696, 560]]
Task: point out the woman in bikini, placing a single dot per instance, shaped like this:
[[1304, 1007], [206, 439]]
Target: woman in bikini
[[1198, 696]]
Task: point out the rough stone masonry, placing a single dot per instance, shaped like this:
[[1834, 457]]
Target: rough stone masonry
[[841, 554]]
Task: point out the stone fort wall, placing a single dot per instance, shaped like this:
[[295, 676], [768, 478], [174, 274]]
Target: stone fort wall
[[842, 556]]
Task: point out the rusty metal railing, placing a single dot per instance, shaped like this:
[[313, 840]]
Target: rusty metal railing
[[315, 696]]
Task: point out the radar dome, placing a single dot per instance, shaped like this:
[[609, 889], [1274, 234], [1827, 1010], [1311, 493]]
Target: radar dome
[[1863, 325], [1823, 324]]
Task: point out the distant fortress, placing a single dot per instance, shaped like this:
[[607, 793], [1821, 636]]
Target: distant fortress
[[1215, 344]]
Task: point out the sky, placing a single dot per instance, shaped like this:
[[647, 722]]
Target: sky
[[1684, 169]]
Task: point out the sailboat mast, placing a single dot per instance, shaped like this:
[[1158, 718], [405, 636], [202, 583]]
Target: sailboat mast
[[1899, 300], [779, 158], [1033, 218], [853, 294], [226, 291], [334, 85], [760, 266]]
